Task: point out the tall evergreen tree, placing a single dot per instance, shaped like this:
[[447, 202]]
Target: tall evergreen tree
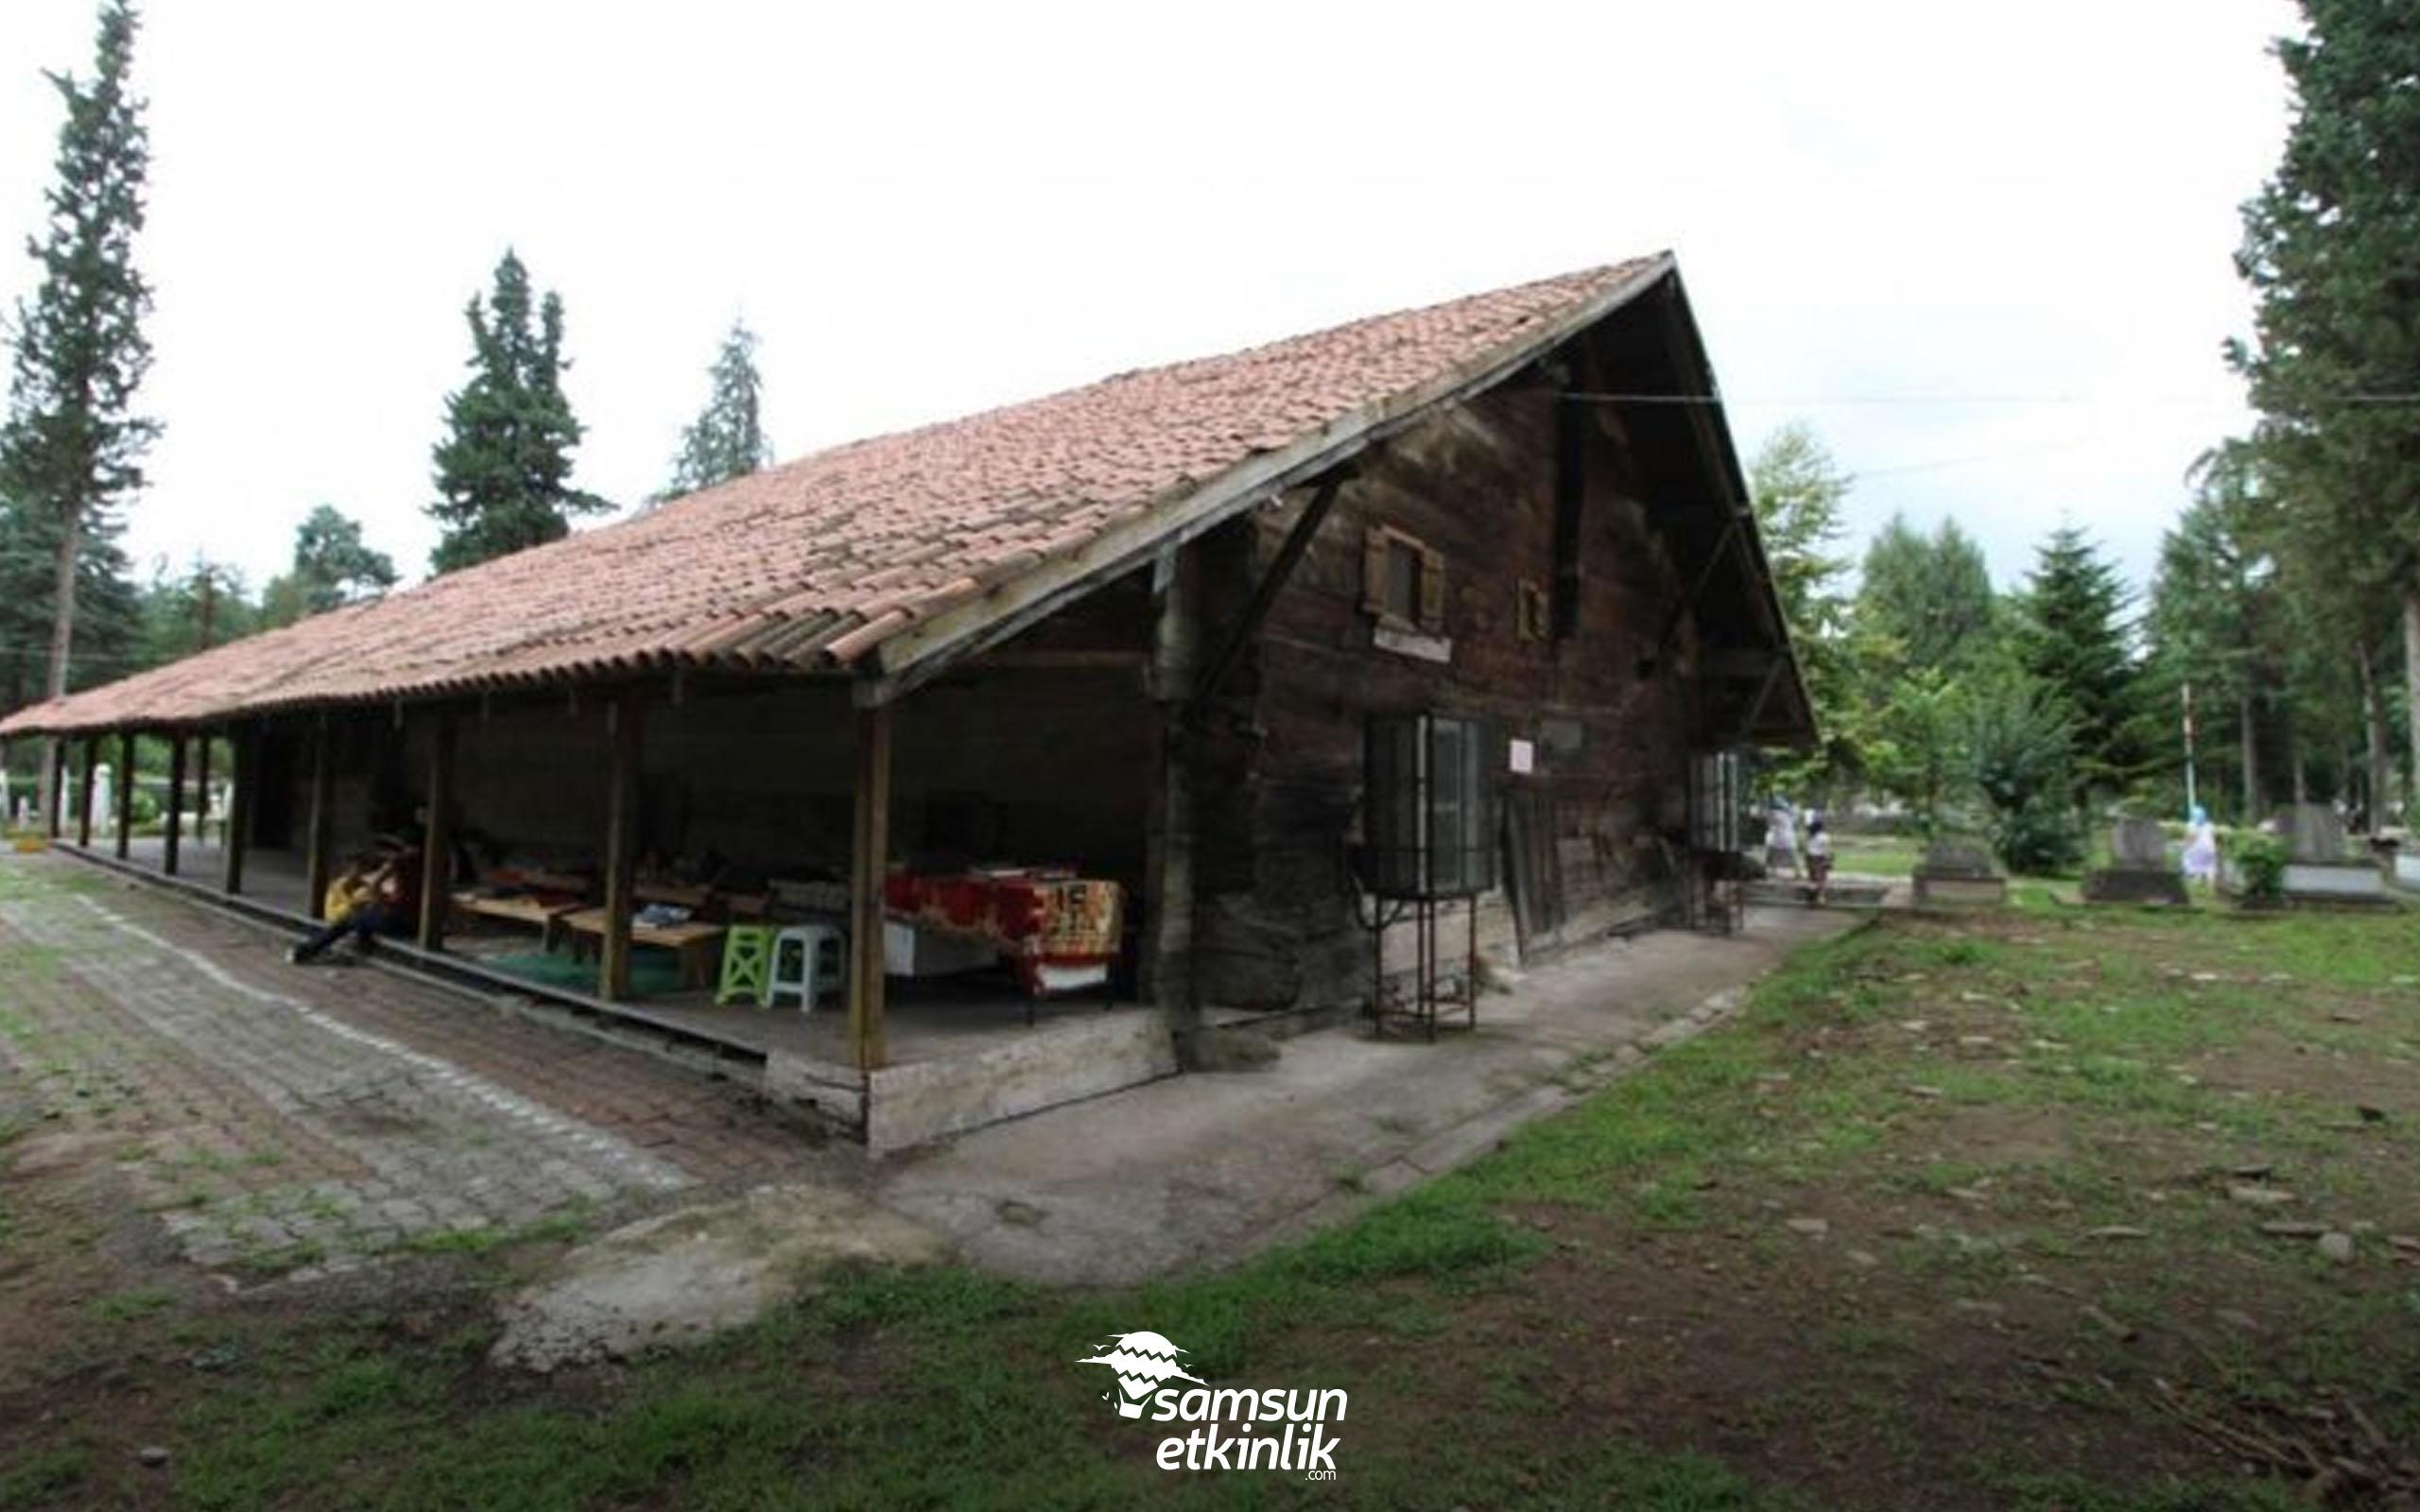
[[108, 637], [504, 468], [2331, 248], [202, 605], [2075, 641], [2213, 595], [71, 445], [332, 566], [727, 439], [1929, 595]]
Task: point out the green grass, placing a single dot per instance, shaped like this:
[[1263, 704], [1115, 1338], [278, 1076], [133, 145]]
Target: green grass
[[44, 1477], [122, 1307]]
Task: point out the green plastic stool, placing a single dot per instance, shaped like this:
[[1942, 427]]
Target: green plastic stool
[[747, 964]]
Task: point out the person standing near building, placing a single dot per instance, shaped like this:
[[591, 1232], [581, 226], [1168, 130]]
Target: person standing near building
[[1781, 839], [1818, 855], [2201, 849]]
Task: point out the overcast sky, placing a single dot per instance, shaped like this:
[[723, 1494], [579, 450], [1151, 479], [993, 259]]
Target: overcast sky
[[1985, 252]]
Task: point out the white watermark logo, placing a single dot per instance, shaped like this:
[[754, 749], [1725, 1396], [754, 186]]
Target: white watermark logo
[[1268, 1428]]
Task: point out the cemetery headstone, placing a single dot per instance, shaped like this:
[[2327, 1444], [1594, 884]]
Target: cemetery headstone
[[2313, 833], [1958, 874], [2138, 871], [2318, 868]]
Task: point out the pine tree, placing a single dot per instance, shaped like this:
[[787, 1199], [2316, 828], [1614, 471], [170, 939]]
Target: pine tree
[[71, 446], [2074, 640], [332, 566], [1929, 595], [2213, 595], [504, 468], [2331, 248], [727, 439], [204, 604]]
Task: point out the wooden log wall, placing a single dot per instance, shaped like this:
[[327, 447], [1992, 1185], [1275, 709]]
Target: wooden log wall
[[1275, 925]]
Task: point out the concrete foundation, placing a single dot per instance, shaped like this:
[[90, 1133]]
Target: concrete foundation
[[2315, 882], [2135, 884], [1959, 891], [1043, 1067]]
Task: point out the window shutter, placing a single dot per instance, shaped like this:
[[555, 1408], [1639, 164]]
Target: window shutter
[[1432, 590], [1374, 570]]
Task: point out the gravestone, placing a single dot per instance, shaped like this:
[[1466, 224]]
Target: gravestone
[[1959, 874], [2318, 868], [2313, 834], [2138, 871]]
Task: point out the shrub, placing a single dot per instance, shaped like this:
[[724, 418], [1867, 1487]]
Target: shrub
[[2021, 745], [2260, 863]]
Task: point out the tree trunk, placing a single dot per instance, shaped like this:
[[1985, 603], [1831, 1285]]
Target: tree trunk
[[63, 638], [2412, 696], [2375, 783], [2302, 778], [2248, 729]]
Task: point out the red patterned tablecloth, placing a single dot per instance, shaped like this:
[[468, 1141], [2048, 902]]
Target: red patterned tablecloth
[[1056, 928]]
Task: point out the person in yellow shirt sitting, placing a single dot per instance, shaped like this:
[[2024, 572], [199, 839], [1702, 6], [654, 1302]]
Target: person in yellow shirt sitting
[[357, 902]]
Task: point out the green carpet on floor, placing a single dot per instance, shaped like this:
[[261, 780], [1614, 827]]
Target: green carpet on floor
[[653, 973]]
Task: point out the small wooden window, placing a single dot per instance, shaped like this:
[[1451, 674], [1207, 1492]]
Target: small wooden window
[[1403, 582], [1532, 616]]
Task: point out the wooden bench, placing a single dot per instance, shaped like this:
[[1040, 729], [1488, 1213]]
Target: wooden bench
[[697, 945], [521, 909]]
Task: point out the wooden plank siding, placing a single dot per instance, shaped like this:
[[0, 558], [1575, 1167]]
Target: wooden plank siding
[[1275, 925]]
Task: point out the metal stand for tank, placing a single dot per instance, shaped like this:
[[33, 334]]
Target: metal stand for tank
[[1718, 903], [1714, 867], [1437, 985]]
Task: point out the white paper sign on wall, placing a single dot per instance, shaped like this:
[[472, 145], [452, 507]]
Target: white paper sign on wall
[[1524, 757]]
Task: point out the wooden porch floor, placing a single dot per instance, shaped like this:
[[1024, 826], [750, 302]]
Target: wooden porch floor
[[928, 1019]]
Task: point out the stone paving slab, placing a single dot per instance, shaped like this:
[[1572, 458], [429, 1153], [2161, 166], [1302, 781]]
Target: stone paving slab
[[286, 1118]]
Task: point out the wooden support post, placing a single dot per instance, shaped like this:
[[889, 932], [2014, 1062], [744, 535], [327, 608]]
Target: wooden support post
[[321, 822], [623, 723], [169, 836], [237, 822], [125, 794], [1166, 967], [436, 849], [84, 805], [869, 863], [54, 791], [201, 789]]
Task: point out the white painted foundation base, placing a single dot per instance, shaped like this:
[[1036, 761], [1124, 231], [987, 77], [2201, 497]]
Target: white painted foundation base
[[1023, 1070]]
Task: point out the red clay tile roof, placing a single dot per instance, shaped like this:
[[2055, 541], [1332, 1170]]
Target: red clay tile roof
[[810, 564]]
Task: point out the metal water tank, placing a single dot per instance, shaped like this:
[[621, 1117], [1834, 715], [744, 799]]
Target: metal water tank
[[1428, 822]]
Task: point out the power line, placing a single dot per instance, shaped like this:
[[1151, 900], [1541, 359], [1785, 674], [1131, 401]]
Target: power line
[[1912, 400]]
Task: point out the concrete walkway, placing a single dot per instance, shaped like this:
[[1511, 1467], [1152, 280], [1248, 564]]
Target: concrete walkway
[[292, 1118], [1207, 1168]]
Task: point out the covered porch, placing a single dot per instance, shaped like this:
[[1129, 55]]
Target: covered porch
[[729, 803]]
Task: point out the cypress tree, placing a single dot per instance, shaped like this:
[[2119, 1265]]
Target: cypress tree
[[727, 439], [2074, 641], [2331, 248], [504, 468], [71, 446]]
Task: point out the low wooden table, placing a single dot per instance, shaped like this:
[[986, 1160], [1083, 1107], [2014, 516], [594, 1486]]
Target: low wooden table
[[519, 910], [697, 945]]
